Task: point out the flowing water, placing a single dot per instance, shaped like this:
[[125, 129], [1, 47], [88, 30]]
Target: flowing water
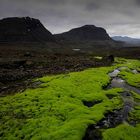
[[112, 119]]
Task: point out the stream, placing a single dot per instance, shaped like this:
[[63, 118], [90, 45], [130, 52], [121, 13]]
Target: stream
[[113, 119]]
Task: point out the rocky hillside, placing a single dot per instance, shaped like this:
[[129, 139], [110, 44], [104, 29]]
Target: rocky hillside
[[24, 29], [85, 33]]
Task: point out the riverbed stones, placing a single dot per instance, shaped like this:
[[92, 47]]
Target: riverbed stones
[[135, 71], [91, 103], [114, 73]]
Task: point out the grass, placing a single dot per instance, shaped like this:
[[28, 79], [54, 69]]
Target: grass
[[55, 110]]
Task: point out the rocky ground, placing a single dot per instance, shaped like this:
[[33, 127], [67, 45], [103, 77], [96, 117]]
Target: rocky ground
[[19, 63], [16, 72]]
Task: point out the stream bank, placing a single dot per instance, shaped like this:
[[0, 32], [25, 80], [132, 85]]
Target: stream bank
[[117, 117]]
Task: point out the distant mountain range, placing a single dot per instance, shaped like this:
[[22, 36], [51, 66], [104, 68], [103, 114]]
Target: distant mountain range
[[26, 29], [127, 40], [30, 30]]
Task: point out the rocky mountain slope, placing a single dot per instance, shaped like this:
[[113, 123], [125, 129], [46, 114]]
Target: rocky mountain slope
[[24, 29], [85, 33], [30, 30]]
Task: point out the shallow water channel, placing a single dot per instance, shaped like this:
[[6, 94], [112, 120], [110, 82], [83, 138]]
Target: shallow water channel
[[112, 119]]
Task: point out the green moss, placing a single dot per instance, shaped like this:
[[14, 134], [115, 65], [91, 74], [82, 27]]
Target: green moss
[[55, 110], [136, 96], [132, 79], [134, 115], [130, 63], [122, 132]]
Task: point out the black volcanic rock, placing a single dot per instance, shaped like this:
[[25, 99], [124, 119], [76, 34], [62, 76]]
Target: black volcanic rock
[[23, 29], [84, 33]]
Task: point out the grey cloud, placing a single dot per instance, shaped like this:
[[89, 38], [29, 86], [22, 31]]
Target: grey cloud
[[138, 2], [62, 15], [92, 6]]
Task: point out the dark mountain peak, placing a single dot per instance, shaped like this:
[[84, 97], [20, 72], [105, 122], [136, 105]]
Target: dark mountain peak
[[87, 27], [85, 33], [23, 29], [18, 18], [90, 28]]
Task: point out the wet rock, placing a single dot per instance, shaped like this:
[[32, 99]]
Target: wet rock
[[29, 63], [19, 63], [133, 123], [111, 58], [39, 67], [108, 59], [36, 84], [110, 96], [111, 120], [127, 109], [135, 71], [120, 83], [117, 83], [91, 103], [126, 94], [27, 54], [92, 133], [114, 73]]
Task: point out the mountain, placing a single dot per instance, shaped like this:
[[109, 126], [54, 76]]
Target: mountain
[[84, 33], [23, 29], [127, 40]]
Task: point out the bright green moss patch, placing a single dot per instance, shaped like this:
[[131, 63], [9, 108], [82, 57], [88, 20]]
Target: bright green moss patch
[[132, 64], [132, 79], [136, 96], [55, 110], [122, 132], [134, 115], [126, 73]]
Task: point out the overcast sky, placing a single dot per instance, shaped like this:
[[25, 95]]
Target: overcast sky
[[118, 17]]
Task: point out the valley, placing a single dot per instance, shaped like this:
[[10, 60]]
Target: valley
[[76, 85]]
